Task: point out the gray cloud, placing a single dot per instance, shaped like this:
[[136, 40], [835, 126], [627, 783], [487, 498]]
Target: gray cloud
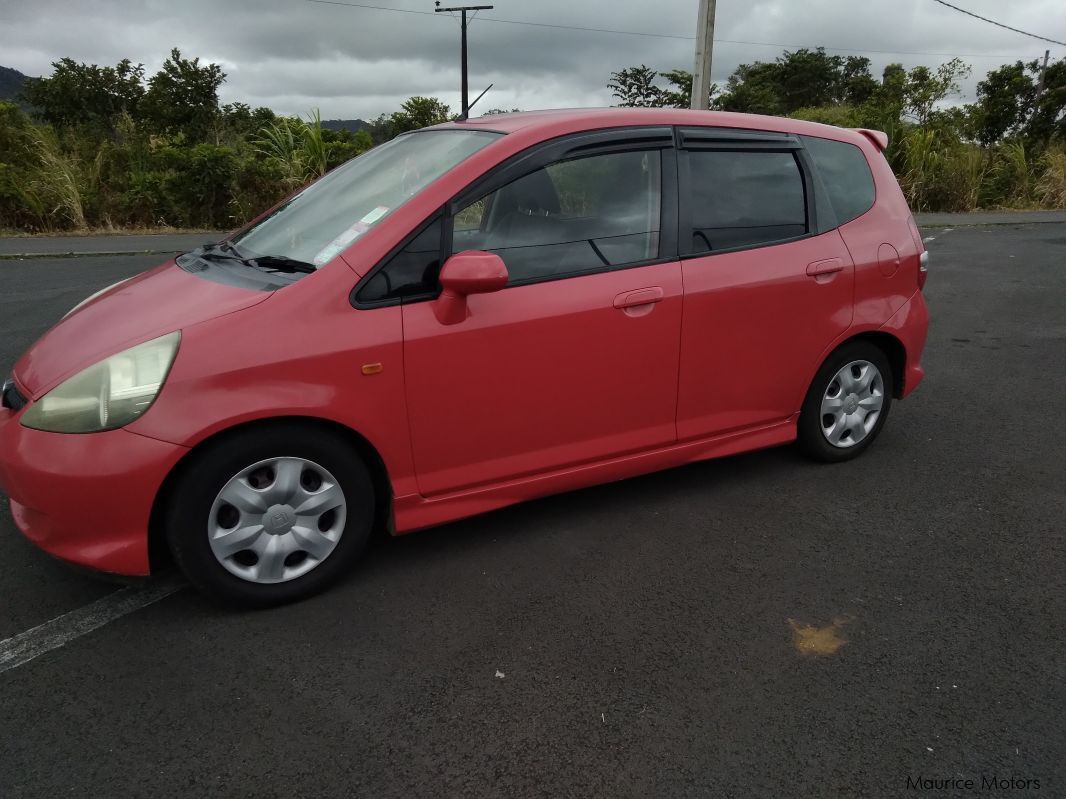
[[294, 55]]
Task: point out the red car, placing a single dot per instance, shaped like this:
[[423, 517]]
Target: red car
[[464, 318]]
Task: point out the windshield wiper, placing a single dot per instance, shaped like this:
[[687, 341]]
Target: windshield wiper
[[281, 263], [219, 249], [276, 263]]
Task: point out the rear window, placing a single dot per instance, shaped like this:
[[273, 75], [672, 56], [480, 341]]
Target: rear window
[[749, 198], [846, 176]]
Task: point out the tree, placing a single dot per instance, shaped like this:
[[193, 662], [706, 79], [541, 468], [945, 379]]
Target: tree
[[84, 95], [1048, 118], [1007, 104], [635, 87], [754, 89], [239, 119], [924, 89], [182, 98], [418, 112], [1002, 99], [680, 93], [802, 78]]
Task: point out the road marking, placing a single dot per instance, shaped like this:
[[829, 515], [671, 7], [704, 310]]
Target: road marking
[[24, 647]]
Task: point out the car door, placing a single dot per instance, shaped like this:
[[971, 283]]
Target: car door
[[768, 280], [576, 359]]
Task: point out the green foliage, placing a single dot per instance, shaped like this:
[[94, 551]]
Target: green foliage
[[20, 206], [1051, 187], [79, 95], [923, 88], [1011, 176], [843, 116], [679, 95], [938, 171], [300, 151], [635, 87], [419, 112], [1002, 97], [59, 180], [111, 148], [802, 78], [1003, 150], [1047, 119], [183, 97], [414, 114]]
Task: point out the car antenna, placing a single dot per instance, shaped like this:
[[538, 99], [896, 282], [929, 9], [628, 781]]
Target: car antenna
[[466, 116]]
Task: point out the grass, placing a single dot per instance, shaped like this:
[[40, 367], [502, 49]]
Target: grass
[[104, 231]]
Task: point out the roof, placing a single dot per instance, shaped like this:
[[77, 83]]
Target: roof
[[567, 120]]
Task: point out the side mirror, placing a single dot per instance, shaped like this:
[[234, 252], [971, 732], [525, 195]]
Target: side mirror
[[466, 273]]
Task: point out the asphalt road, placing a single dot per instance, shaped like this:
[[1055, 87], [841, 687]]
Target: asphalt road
[[38, 246], [644, 629]]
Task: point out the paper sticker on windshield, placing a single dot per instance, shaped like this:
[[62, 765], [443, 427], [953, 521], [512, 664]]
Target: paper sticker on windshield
[[374, 215], [332, 249]]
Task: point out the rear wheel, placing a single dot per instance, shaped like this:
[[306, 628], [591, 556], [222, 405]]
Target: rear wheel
[[847, 404], [270, 515]]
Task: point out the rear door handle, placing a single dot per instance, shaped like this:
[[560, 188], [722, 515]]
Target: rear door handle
[[826, 267], [631, 299]]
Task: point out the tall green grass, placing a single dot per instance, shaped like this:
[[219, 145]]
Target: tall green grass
[[58, 181], [1051, 186]]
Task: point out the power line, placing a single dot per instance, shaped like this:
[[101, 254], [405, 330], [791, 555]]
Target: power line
[[1000, 24], [664, 35]]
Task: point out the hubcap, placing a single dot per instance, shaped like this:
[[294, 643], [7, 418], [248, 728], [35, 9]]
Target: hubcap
[[851, 404], [276, 520]]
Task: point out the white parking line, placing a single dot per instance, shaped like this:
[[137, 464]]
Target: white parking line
[[25, 646]]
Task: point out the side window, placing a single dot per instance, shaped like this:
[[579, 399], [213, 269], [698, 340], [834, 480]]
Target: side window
[[573, 216], [411, 271], [846, 176], [745, 199]]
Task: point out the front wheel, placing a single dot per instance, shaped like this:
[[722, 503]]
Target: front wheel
[[270, 515], [847, 404]]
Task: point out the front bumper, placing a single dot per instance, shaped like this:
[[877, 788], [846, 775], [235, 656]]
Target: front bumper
[[84, 498]]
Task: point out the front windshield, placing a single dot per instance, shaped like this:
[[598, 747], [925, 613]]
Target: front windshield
[[323, 219]]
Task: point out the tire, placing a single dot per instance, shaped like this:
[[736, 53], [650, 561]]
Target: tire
[[308, 493], [847, 395]]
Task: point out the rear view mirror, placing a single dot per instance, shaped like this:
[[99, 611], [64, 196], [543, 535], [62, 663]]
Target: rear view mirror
[[465, 273]]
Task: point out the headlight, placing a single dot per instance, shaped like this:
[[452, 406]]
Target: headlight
[[109, 394]]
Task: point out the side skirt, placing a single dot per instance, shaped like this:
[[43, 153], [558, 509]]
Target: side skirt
[[414, 512]]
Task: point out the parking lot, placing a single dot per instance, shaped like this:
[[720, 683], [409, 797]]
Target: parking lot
[[642, 638]]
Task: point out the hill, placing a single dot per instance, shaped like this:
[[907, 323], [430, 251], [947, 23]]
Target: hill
[[11, 81], [354, 125]]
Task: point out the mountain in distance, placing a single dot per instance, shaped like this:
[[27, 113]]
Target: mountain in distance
[[11, 82], [353, 125]]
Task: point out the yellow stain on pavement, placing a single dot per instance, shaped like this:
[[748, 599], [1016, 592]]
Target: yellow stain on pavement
[[811, 640]]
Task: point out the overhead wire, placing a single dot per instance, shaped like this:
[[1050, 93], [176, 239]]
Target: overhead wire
[[663, 35], [999, 24]]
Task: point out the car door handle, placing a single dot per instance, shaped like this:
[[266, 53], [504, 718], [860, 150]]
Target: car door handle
[[632, 299], [826, 267]]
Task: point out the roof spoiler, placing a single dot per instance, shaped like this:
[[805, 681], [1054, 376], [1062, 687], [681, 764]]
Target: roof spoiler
[[878, 137]]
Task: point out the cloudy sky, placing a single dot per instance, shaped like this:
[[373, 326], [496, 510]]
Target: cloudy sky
[[295, 55]]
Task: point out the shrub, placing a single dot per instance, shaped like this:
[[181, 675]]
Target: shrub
[[1051, 188]]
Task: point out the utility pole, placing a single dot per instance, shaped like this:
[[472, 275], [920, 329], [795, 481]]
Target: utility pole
[[701, 74], [1040, 84], [466, 91]]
